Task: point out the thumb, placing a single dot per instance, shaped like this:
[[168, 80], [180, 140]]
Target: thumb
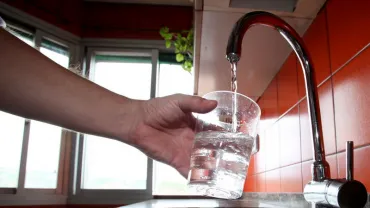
[[196, 104]]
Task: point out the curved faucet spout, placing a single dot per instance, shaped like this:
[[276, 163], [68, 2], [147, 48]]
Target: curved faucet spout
[[320, 168]]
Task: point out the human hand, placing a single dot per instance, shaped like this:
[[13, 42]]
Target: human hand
[[164, 128]]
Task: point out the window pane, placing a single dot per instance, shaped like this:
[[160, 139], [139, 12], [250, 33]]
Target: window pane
[[172, 79], [44, 140], [109, 164], [23, 35], [11, 137], [43, 155], [57, 53]]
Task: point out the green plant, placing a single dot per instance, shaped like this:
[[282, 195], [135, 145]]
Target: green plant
[[183, 43]]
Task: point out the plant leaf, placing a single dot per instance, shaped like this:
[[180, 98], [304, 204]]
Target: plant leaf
[[191, 49], [168, 36], [187, 65], [163, 31], [190, 36], [168, 43], [179, 57]]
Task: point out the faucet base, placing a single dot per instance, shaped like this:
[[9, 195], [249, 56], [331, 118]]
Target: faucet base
[[339, 193]]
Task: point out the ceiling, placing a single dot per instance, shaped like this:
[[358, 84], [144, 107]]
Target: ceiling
[[158, 2], [263, 49]]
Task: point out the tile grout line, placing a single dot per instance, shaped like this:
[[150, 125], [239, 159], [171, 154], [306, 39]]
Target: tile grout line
[[355, 148], [350, 59]]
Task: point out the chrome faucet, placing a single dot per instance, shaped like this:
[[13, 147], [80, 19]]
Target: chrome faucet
[[321, 190]]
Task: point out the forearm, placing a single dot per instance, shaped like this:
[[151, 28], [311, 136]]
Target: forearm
[[33, 86]]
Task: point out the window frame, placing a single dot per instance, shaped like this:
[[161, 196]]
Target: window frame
[[65, 146], [77, 194], [39, 35]]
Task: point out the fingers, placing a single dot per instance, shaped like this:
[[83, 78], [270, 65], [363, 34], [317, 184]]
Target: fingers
[[196, 104]]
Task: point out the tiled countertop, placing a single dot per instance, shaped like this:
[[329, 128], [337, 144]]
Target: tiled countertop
[[248, 200]]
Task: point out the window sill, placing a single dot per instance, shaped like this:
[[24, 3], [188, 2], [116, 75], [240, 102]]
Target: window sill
[[32, 199], [73, 200]]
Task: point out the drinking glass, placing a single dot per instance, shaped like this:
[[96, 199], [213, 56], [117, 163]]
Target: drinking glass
[[221, 150]]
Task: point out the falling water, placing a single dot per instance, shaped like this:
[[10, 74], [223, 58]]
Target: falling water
[[234, 88]]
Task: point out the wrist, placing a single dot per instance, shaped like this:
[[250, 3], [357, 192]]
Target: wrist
[[127, 120]]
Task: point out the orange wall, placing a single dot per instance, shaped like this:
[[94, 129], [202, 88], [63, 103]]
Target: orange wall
[[65, 14], [337, 42], [132, 21], [89, 19]]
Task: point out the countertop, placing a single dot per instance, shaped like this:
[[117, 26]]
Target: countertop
[[156, 203], [248, 200]]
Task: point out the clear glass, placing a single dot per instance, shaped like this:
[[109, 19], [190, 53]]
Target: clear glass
[[221, 153], [11, 137], [109, 164], [172, 79], [44, 140]]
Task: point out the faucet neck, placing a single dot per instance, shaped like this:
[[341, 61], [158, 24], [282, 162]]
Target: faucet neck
[[320, 168], [234, 45]]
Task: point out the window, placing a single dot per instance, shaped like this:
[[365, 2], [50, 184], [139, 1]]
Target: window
[[45, 139], [11, 136], [38, 168], [24, 35], [172, 79], [110, 164]]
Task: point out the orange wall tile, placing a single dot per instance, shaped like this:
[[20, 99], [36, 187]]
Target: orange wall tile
[[325, 93], [336, 40], [261, 182], [352, 99], [327, 120], [316, 41], [332, 160], [268, 103], [273, 181], [251, 166], [287, 84], [306, 173], [291, 178], [272, 155], [260, 156], [305, 131], [360, 166], [250, 184], [348, 32], [290, 142]]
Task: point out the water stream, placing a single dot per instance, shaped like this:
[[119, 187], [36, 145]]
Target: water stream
[[234, 88]]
